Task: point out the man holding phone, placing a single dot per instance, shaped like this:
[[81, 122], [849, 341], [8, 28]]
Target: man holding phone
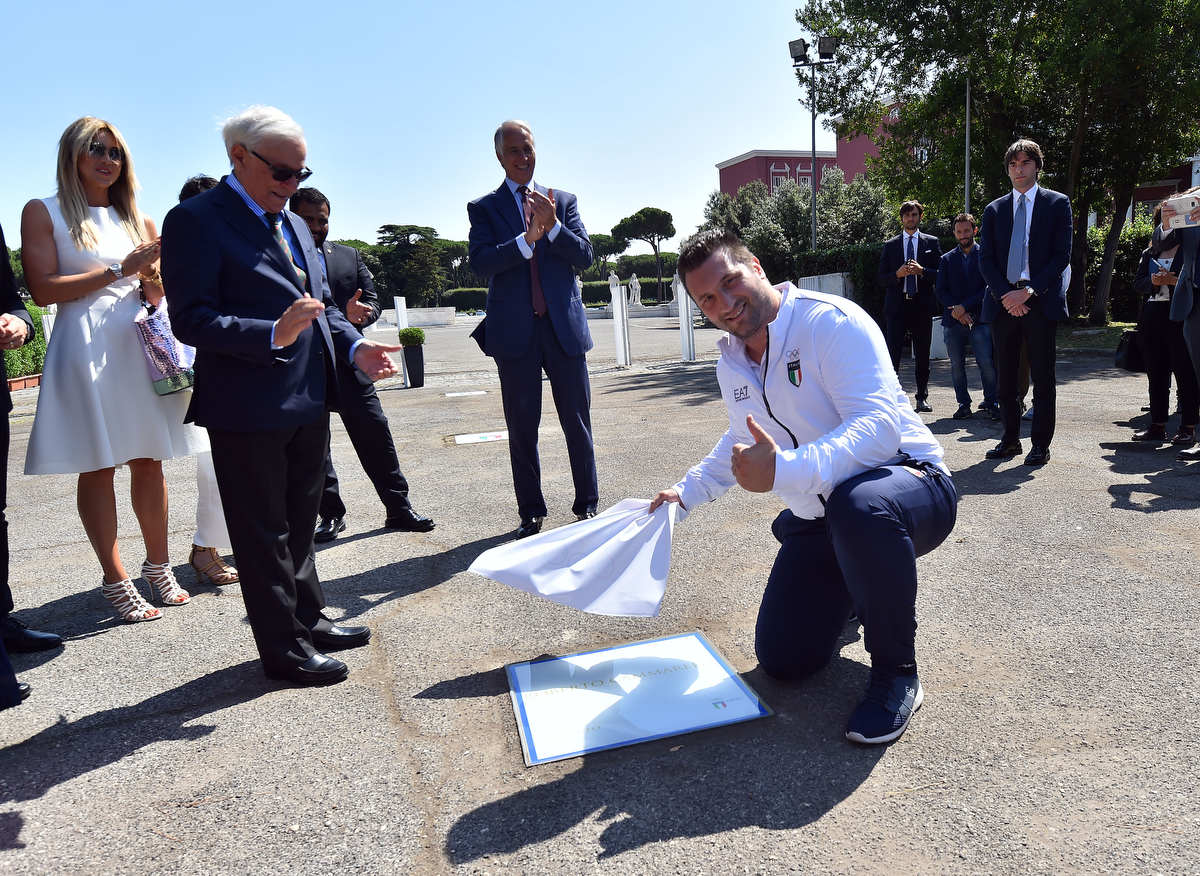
[[908, 267]]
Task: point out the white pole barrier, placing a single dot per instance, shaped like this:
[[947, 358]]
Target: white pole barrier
[[620, 315], [687, 331], [401, 323]]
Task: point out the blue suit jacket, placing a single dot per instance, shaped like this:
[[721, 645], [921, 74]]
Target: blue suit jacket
[[228, 281], [1183, 299], [1049, 252], [929, 254], [959, 282], [495, 223]]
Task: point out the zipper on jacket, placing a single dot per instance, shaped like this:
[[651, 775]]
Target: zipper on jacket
[[767, 404]]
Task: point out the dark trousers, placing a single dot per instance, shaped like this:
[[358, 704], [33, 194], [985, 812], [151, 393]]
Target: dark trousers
[[862, 554], [915, 319], [6, 597], [1191, 334], [270, 485], [521, 391], [1165, 353], [9, 694], [1036, 330], [371, 436]]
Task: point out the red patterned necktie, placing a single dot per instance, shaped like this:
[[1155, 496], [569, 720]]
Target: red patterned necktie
[[535, 280]]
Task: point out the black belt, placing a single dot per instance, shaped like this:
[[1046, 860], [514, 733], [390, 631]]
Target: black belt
[[1020, 284]]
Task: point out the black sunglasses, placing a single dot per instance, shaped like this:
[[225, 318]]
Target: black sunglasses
[[283, 174], [98, 150]]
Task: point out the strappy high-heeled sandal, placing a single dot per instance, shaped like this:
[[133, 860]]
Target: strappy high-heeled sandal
[[128, 603], [211, 568], [163, 584]]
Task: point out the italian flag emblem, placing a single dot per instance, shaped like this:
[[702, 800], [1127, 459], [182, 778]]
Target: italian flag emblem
[[794, 375]]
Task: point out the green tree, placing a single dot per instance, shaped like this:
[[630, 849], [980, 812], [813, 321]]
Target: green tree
[[456, 266], [651, 225], [409, 264], [850, 213], [1106, 87], [604, 247], [14, 259]]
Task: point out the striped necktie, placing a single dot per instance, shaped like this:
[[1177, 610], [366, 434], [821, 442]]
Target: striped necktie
[[277, 231]]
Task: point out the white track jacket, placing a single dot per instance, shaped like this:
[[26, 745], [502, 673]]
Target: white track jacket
[[826, 393]]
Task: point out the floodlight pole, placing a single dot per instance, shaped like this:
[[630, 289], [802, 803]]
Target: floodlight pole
[[813, 94], [967, 179]]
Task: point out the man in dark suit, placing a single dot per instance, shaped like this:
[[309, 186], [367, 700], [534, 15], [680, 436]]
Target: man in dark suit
[[248, 293], [960, 290], [908, 268], [15, 329], [1185, 300], [1025, 246], [353, 292], [528, 241]]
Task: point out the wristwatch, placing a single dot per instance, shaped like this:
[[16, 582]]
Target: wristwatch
[[115, 267]]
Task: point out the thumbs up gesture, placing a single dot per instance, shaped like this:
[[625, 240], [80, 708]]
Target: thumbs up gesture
[[754, 464]]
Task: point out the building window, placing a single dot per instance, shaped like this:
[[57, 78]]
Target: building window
[[804, 181], [778, 179]]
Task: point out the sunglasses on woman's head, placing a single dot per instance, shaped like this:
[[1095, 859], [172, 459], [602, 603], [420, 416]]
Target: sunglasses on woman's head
[[97, 149], [283, 174]]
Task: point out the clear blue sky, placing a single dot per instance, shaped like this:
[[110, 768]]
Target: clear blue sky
[[631, 103]]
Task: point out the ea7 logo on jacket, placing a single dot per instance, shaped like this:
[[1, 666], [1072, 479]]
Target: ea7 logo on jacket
[[794, 375], [741, 393]]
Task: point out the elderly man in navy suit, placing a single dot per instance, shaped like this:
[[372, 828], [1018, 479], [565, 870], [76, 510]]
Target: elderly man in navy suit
[[1025, 246], [908, 267], [528, 241], [248, 292]]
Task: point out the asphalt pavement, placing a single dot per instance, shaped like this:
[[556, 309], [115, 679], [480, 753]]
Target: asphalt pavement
[[1058, 648]]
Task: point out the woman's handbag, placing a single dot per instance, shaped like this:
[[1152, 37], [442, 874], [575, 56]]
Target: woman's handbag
[[169, 361], [1129, 352]]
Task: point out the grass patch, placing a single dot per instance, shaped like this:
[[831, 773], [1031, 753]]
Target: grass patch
[[1091, 337]]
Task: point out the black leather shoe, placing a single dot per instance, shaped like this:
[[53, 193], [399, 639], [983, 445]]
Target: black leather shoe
[[922, 407], [1004, 450], [317, 669], [964, 412], [587, 513], [1037, 455], [329, 636], [23, 690], [1190, 455], [409, 521], [529, 526], [18, 638], [1152, 433], [328, 528]]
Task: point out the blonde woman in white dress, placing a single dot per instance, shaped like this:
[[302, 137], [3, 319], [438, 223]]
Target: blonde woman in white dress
[[87, 250]]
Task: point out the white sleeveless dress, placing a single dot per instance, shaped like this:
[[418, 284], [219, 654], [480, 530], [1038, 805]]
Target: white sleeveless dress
[[96, 408]]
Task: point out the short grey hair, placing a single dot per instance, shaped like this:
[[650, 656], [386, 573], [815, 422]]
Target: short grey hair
[[510, 125], [257, 123]]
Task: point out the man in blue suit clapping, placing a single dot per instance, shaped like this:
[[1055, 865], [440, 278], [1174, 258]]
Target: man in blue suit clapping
[[528, 241]]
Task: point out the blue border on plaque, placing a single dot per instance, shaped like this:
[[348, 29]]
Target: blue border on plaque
[[526, 732]]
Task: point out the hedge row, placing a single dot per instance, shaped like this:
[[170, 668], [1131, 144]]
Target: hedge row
[[28, 359], [594, 292]]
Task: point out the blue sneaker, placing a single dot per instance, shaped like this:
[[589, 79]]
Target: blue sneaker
[[884, 713]]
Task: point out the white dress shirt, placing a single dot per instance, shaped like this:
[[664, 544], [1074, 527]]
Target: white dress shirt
[[1029, 196]]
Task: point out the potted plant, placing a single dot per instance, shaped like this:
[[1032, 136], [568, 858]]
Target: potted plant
[[412, 339]]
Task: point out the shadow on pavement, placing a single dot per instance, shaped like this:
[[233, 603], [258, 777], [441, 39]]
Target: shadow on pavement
[[1166, 483], [70, 749], [779, 773], [397, 580], [688, 384]]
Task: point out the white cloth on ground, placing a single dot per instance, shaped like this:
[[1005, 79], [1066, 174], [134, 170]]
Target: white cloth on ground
[[615, 563]]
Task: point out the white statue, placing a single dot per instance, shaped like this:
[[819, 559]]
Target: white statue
[[614, 282], [677, 287], [579, 284], [635, 292]]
